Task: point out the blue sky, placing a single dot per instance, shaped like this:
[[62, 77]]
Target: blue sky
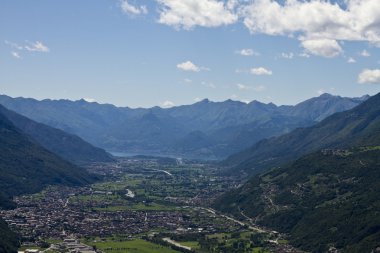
[[169, 52]]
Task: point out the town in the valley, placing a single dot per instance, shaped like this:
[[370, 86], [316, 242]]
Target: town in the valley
[[139, 204]]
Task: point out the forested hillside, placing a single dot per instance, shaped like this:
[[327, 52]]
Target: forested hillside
[[68, 146]]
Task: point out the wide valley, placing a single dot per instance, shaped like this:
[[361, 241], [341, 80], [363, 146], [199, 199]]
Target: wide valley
[[140, 204]]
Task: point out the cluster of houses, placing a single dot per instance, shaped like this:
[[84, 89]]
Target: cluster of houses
[[50, 215]]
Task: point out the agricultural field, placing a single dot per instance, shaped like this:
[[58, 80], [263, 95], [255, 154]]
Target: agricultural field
[[130, 246]]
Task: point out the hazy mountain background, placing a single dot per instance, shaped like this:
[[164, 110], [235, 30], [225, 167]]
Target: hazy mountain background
[[204, 130]]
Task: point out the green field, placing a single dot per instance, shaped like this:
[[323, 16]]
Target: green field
[[192, 244], [133, 246], [137, 207]]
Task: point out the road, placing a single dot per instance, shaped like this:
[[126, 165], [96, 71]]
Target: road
[[166, 239], [164, 171], [210, 210]]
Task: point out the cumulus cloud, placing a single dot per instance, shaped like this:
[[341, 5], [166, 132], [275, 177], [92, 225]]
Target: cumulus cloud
[[322, 47], [188, 66], [247, 52], [369, 76], [167, 104], [132, 9], [187, 14], [261, 71], [351, 60], [317, 23], [232, 4]]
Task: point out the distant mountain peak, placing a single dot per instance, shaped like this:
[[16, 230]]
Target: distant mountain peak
[[206, 100], [326, 95], [254, 102]]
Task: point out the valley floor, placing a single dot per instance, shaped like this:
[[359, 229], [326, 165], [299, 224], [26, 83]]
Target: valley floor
[[141, 205]]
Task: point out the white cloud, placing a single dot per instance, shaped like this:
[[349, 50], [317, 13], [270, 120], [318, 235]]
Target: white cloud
[[261, 71], [189, 13], [316, 20], [246, 87], [247, 52], [321, 91], [36, 47], [90, 100], [365, 53], [187, 80], [14, 45], [287, 55], [370, 76], [321, 26], [28, 47], [132, 9], [188, 66], [351, 60], [167, 104], [16, 55], [304, 55], [322, 47], [232, 4]]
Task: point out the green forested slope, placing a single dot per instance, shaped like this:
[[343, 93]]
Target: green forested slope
[[68, 146], [326, 199], [8, 239], [26, 167]]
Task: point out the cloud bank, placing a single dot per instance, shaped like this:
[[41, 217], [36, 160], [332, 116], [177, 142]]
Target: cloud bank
[[318, 24]]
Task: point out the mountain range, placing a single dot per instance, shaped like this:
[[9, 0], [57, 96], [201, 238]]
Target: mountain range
[[344, 129], [328, 197], [320, 180], [204, 130]]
